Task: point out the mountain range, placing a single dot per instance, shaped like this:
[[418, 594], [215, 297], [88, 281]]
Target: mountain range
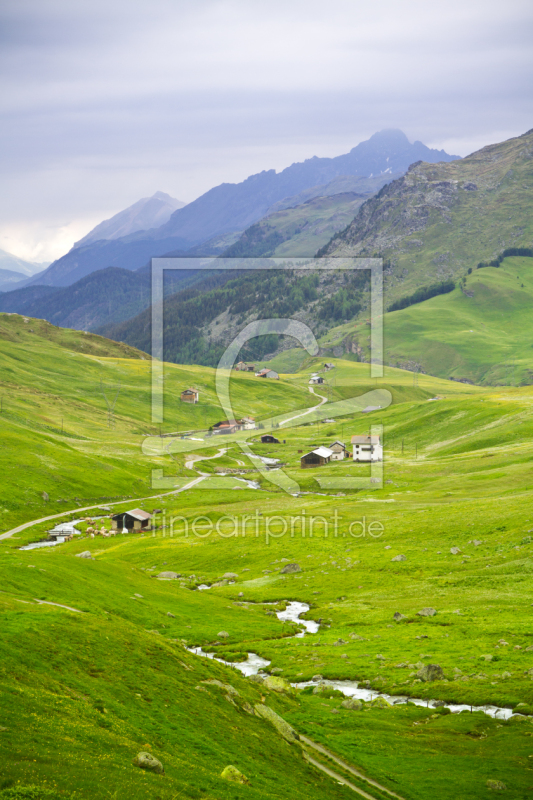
[[433, 226], [13, 270], [231, 208]]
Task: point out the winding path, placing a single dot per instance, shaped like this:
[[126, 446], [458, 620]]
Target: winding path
[[309, 410], [193, 459], [23, 527]]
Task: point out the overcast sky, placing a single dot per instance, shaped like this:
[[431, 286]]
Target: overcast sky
[[104, 102]]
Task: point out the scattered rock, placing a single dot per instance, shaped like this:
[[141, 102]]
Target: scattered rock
[[45, 497], [256, 678], [276, 670], [397, 616], [352, 704], [477, 542], [147, 761], [278, 722], [317, 678], [140, 596], [380, 702], [430, 672], [427, 612], [487, 657], [380, 657], [227, 687], [454, 551], [231, 773], [222, 635], [85, 554], [529, 649], [439, 704], [398, 558], [168, 576], [241, 594], [230, 576], [357, 638], [339, 642], [277, 684], [497, 786], [170, 614], [290, 568]]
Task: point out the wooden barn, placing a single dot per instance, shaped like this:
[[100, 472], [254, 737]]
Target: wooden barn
[[267, 373], [267, 438], [316, 458], [134, 520], [226, 426], [316, 379], [190, 396]]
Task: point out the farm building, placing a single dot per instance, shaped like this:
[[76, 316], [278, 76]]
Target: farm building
[[190, 396], [135, 520], [367, 448], [267, 438], [338, 450], [316, 458], [243, 367], [329, 366], [247, 423], [267, 373], [226, 426], [316, 379]]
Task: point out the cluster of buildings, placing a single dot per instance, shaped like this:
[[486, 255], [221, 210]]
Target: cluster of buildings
[[234, 425], [365, 448]]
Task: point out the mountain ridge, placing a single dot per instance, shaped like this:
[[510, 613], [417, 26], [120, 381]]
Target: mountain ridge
[[234, 207]]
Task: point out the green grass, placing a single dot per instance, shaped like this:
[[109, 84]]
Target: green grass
[[457, 471]]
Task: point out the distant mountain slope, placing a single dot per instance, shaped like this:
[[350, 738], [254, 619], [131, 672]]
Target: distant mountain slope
[[107, 296], [8, 279], [15, 264], [481, 332], [149, 212], [440, 219], [297, 231], [300, 225], [233, 207]]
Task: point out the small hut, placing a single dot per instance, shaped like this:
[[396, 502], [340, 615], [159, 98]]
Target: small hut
[[190, 396], [267, 438], [134, 520]]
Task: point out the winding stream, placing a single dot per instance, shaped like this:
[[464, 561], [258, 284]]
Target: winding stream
[[292, 613]]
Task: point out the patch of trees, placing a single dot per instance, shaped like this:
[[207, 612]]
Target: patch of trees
[[510, 251], [424, 293]]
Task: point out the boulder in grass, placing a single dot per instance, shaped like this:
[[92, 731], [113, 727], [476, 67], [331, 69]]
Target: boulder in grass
[[277, 684], [454, 551], [147, 761], [278, 722], [380, 702], [427, 612], [430, 672], [170, 614], [352, 704], [290, 568], [168, 576], [222, 635], [401, 557], [496, 786], [230, 576], [231, 773], [85, 554], [397, 616]]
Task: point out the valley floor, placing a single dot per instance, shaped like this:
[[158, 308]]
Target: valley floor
[[97, 662]]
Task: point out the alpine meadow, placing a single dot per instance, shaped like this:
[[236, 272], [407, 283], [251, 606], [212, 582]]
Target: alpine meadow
[[266, 401]]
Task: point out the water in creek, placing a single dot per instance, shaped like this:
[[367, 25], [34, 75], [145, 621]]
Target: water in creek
[[292, 613], [65, 527]]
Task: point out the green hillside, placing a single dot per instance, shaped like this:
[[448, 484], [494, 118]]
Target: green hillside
[[480, 332], [439, 220], [87, 684], [298, 231], [54, 419]]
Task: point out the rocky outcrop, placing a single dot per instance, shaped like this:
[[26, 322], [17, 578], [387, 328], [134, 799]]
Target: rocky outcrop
[[278, 722]]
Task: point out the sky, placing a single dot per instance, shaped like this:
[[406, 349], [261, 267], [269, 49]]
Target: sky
[[105, 102]]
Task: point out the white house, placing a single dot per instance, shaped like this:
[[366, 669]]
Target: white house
[[367, 448], [316, 379], [247, 423]]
